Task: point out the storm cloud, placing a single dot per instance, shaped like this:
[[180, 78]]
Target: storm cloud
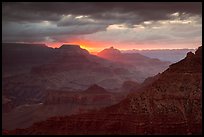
[[63, 21]]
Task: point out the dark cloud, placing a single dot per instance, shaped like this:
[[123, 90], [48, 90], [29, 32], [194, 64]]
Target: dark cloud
[[39, 31], [59, 21], [53, 11]]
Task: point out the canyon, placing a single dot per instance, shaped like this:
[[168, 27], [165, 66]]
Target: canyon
[[170, 103]]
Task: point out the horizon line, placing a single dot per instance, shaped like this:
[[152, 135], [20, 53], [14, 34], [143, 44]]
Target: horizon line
[[81, 46]]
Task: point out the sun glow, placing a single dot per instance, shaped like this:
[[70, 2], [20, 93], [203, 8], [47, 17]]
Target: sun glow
[[91, 46], [86, 48]]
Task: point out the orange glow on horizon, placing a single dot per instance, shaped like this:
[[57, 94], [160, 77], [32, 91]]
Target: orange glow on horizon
[[95, 46], [91, 46]]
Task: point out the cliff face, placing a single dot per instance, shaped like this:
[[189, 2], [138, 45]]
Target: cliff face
[[172, 104]]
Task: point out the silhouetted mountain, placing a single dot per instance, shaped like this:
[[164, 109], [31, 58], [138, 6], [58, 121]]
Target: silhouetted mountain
[[72, 49], [19, 58], [31, 69], [95, 89], [137, 61], [109, 52], [115, 55], [172, 104], [67, 67], [192, 63], [79, 69], [172, 55]]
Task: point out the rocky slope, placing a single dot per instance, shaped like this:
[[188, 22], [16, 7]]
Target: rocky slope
[[172, 104]]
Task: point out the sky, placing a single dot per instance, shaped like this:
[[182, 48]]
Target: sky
[[95, 26]]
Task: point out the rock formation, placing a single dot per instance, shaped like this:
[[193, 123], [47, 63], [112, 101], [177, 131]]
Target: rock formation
[[172, 104]]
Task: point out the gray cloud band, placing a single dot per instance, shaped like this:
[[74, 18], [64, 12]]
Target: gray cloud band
[[40, 20]]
